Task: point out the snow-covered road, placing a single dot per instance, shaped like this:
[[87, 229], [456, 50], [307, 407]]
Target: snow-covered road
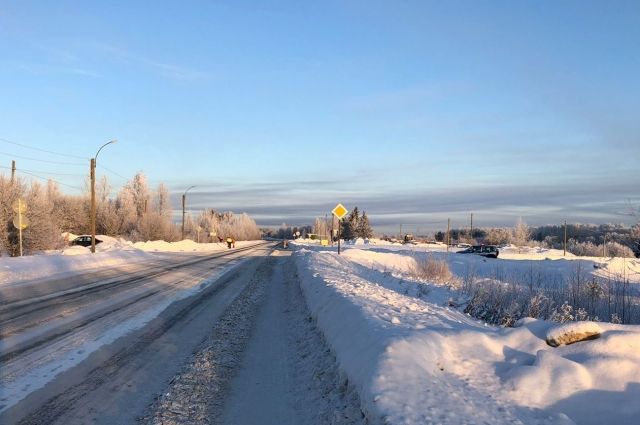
[[62, 331]]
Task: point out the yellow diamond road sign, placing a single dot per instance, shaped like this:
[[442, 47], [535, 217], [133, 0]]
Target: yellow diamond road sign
[[339, 211]]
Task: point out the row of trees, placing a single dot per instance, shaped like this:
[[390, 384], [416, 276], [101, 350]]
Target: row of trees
[[211, 225], [356, 225], [582, 239], [136, 213]]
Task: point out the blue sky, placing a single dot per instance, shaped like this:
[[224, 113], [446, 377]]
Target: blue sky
[[414, 111]]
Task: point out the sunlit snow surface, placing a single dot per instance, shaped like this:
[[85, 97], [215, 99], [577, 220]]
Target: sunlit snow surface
[[417, 361], [21, 376]]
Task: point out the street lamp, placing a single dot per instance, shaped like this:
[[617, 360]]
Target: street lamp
[[93, 196], [184, 201]]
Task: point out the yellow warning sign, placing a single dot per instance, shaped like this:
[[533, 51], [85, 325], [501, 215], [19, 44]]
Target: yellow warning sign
[[340, 211]]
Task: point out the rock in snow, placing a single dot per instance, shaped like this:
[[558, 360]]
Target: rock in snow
[[569, 333]]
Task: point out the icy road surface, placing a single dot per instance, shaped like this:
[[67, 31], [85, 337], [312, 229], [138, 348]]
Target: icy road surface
[[219, 339]]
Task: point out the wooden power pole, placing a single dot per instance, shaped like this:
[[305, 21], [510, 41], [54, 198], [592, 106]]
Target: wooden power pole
[[565, 239], [92, 165], [184, 197], [13, 171], [448, 233]]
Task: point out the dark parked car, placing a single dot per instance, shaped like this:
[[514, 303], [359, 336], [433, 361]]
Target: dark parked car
[[490, 251], [84, 240]]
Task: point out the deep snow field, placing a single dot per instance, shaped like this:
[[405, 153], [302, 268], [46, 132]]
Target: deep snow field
[[416, 360]]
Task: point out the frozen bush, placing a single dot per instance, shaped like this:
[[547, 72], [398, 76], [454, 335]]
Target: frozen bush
[[433, 270], [539, 306], [563, 314]]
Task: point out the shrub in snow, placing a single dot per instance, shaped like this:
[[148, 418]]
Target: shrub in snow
[[581, 314], [563, 314], [570, 333], [589, 249], [494, 303], [539, 306], [433, 270]]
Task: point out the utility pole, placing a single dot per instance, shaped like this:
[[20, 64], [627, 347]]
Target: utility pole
[[604, 245], [448, 233], [92, 173], [184, 201], [565, 239], [20, 223], [13, 171], [472, 227], [400, 237], [184, 196]]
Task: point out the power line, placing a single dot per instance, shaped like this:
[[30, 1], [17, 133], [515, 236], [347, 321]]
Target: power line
[[113, 172], [44, 172], [51, 173], [41, 160], [55, 181], [40, 149]]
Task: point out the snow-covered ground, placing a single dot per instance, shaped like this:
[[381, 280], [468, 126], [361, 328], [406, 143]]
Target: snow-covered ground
[[57, 273], [110, 252], [415, 360], [520, 260]]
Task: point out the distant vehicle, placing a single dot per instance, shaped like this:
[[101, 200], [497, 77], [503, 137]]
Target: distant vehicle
[[409, 239], [84, 240], [490, 251], [464, 245]]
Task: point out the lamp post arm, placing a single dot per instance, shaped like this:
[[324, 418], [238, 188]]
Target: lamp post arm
[[108, 143]]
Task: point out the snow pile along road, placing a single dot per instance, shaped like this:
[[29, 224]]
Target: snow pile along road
[[416, 361], [111, 252]]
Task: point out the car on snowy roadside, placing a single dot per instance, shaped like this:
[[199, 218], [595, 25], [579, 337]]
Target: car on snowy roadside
[[490, 251], [84, 240]]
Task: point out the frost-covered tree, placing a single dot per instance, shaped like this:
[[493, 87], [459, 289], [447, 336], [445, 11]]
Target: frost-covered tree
[[521, 233], [9, 192], [42, 233], [349, 225], [364, 229], [162, 202], [497, 236], [209, 225], [321, 227], [126, 211], [140, 193], [107, 222]]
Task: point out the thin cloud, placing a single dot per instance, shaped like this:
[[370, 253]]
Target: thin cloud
[[499, 205], [164, 69], [43, 69]]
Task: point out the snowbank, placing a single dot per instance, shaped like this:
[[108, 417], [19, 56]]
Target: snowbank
[[110, 252], [186, 245], [415, 361]]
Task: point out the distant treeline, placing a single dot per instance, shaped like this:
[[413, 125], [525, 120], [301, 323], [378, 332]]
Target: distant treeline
[[582, 238], [136, 213]]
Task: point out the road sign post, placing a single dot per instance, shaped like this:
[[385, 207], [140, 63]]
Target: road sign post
[[339, 211], [20, 222]]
